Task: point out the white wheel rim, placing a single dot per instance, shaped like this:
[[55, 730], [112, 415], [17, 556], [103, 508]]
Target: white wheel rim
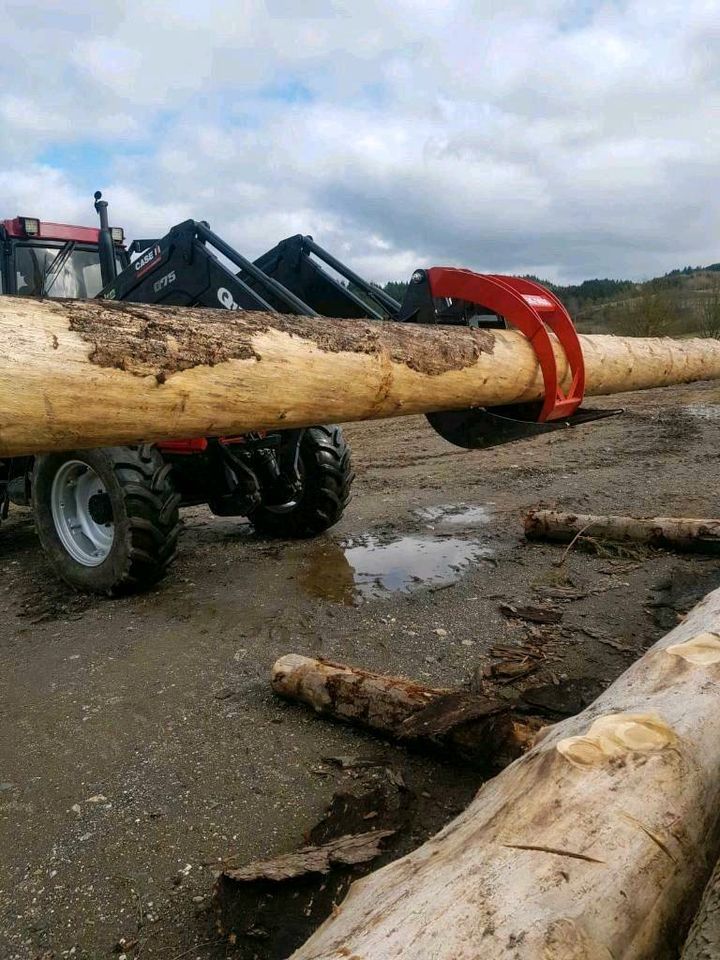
[[87, 541]]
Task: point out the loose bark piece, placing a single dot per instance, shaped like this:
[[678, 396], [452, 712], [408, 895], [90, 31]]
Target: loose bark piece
[[508, 670], [703, 942], [532, 614], [479, 729], [595, 845], [696, 536], [98, 373], [279, 901], [345, 851]]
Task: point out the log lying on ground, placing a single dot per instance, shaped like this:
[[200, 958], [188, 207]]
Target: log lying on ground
[[595, 845], [478, 729], [678, 533], [90, 373], [703, 941]]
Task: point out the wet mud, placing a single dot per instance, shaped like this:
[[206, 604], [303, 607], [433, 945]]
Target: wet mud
[[141, 747]]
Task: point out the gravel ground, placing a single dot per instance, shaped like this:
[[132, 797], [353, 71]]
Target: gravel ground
[[140, 744]]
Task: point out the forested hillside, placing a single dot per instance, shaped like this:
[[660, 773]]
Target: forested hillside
[[684, 301]]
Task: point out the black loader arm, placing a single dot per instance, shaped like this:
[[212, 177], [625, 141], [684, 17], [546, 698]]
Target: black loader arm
[[323, 281], [192, 266]]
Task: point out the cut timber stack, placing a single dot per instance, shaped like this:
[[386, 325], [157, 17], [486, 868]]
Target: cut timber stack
[[90, 373], [595, 845]]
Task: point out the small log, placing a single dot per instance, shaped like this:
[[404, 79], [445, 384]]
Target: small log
[[594, 845], [677, 533], [703, 942], [478, 729], [78, 374]]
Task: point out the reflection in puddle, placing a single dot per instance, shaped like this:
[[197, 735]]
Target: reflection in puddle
[[454, 514], [368, 568], [326, 574]]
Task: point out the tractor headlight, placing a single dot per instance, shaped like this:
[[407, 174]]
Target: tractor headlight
[[118, 234], [30, 225]]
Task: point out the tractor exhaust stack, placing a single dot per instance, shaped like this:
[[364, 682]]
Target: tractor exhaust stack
[[106, 247]]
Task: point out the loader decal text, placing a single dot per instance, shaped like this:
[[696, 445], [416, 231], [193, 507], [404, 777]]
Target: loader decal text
[[164, 281], [227, 300], [145, 262]]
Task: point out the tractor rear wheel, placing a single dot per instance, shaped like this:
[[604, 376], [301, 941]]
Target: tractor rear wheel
[[327, 476], [108, 518]]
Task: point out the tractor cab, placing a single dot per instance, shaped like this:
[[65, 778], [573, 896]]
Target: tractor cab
[[42, 259]]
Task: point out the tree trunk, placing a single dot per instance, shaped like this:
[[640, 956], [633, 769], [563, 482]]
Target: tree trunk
[[679, 533], [595, 845], [478, 729], [91, 373], [703, 942]]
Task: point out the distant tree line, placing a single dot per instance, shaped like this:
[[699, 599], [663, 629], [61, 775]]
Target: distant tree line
[[396, 289], [682, 302]]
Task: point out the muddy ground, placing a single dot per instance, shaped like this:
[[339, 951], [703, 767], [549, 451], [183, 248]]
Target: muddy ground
[[140, 745]]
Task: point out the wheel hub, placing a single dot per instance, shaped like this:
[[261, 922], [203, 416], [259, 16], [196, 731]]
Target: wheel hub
[[82, 513], [100, 508]]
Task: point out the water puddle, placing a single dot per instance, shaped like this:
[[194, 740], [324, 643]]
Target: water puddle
[[367, 568], [454, 514]]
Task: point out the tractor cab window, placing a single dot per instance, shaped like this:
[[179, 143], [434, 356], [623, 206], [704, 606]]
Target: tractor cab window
[[60, 271]]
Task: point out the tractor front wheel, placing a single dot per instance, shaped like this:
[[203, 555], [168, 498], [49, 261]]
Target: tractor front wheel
[[327, 475], [108, 518]]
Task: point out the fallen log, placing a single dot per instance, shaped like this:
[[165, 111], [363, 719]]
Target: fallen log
[[91, 373], [678, 533], [595, 845], [703, 941], [480, 730]]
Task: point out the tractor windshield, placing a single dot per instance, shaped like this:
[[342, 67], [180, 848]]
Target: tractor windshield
[[58, 271]]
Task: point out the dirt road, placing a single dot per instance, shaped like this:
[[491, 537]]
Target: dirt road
[[140, 745]]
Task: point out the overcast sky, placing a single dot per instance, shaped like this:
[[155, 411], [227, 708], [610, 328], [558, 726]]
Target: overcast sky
[[566, 138]]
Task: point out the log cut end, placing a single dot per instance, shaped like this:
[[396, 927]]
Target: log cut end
[[702, 650], [295, 677], [616, 735]]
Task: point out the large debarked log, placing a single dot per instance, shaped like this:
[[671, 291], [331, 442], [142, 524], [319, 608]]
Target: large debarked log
[[90, 373], [595, 845]]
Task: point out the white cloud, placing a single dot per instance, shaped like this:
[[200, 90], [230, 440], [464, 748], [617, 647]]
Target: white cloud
[[564, 137]]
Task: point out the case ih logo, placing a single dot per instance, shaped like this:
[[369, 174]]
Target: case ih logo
[[227, 299], [143, 263]]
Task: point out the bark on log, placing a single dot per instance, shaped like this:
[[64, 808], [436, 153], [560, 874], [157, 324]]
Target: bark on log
[[91, 373], [479, 730], [703, 942], [595, 845], [678, 533]]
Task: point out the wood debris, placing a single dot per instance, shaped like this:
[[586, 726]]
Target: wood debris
[[534, 614]]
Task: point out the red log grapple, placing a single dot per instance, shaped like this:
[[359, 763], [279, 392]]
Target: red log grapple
[[536, 312]]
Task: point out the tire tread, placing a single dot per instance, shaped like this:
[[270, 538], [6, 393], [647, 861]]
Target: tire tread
[[328, 482]]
